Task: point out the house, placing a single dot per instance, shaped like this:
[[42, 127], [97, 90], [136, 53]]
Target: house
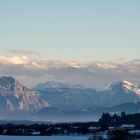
[[93, 129], [127, 126], [31, 132]]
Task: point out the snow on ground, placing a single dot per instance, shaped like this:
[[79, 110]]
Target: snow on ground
[[43, 138]]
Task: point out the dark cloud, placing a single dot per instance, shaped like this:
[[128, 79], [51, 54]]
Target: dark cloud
[[23, 52]]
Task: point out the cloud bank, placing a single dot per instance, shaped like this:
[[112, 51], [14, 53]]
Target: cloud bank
[[94, 74]]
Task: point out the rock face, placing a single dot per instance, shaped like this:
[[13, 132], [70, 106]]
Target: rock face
[[15, 97]]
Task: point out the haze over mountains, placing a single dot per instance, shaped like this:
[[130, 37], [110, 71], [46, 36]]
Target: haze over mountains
[[51, 100]]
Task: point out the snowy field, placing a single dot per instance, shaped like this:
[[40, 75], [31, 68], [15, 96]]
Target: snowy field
[[42, 138]]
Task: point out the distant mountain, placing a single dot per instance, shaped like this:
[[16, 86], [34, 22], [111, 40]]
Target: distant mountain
[[15, 97], [86, 114], [121, 86], [68, 101], [68, 97], [132, 107], [51, 99], [121, 92], [129, 108]]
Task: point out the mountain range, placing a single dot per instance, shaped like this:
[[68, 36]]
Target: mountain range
[[78, 97], [56, 100]]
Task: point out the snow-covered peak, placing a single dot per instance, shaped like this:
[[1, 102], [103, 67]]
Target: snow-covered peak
[[122, 83], [126, 86], [126, 82]]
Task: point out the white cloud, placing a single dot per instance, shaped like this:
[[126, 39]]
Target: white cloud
[[13, 60], [97, 74], [106, 65]]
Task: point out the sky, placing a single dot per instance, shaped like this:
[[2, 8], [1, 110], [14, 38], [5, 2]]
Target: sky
[[70, 40]]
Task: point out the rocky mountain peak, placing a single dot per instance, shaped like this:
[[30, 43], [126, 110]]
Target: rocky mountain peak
[[16, 97]]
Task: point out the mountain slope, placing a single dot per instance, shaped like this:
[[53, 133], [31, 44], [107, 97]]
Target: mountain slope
[[121, 92], [15, 97], [67, 97]]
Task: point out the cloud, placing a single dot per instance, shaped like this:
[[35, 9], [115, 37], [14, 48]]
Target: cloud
[[106, 65], [23, 52], [96, 74], [13, 60], [136, 61]]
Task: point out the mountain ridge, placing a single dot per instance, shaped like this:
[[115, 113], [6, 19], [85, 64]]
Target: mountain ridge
[[62, 98], [117, 93]]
